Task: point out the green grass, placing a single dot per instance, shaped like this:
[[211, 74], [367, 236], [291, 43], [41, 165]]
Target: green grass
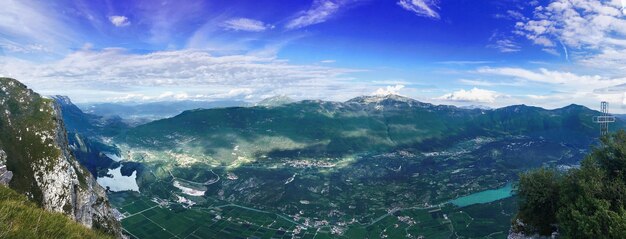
[[158, 222], [137, 206], [20, 218], [490, 220]]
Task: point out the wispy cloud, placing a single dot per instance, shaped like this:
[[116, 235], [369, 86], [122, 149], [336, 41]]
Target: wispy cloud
[[506, 45], [503, 43], [474, 95], [464, 62], [423, 8], [169, 18], [29, 26], [554, 88], [119, 21], [490, 83], [511, 15], [320, 11], [116, 73], [14, 47], [542, 75], [246, 24]]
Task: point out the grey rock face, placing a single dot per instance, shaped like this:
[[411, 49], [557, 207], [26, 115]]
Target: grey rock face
[[87, 200], [5, 175], [33, 145]]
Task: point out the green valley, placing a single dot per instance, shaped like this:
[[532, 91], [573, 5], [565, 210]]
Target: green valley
[[368, 167]]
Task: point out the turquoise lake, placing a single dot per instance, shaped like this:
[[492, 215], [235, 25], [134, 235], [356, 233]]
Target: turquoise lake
[[486, 196]]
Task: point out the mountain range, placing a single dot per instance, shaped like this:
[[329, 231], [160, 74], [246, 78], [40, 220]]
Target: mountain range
[[363, 124], [318, 164], [135, 113]]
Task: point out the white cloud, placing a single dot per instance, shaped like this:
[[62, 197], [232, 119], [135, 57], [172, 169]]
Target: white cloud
[[424, 8], [561, 87], [609, 58], [516, 15], [319, 12], [589, 31], [113, 73], [490, 83], [27, 26], [565, 80], [14, 47], [119, 21], [389, 90], [246, 24], [474, 95], [578, 23]]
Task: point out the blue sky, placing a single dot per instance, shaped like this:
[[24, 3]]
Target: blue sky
[[549, 53]]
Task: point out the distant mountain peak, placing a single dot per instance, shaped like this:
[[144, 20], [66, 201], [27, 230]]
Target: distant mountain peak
[[382, 101], [574, 106], [273, 101], [379, 98]]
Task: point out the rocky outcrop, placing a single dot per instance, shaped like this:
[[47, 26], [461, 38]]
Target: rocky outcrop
[[519, 235], [517, 232], [5, 175], [35, 149]]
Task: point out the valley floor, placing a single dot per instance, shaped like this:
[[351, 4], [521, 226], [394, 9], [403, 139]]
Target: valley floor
[[151, 218]]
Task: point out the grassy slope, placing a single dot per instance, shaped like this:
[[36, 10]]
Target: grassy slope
[[20, 218]]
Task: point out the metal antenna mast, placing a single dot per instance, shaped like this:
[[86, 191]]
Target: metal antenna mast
[[604, 119]]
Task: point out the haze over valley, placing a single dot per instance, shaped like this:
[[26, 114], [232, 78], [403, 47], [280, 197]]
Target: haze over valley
[[312, 119]]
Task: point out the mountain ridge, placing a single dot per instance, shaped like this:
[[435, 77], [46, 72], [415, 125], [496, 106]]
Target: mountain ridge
[[355, 125], [393, 98]]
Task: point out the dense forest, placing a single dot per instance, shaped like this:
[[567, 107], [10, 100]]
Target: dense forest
[[585, 202]]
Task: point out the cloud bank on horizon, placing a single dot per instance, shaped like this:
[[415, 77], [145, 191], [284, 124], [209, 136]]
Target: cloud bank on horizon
[[548, 53]]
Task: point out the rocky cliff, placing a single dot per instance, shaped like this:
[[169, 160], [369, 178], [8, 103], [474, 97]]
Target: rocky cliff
[[35, 159], [5, 175]]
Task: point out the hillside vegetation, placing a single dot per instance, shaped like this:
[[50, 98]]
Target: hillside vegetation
[[20, 218], [362, 125], [586, 202]]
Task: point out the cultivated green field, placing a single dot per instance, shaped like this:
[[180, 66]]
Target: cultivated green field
[[147, 219]]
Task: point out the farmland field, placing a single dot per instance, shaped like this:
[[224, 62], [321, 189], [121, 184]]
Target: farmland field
[[147, 219]]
